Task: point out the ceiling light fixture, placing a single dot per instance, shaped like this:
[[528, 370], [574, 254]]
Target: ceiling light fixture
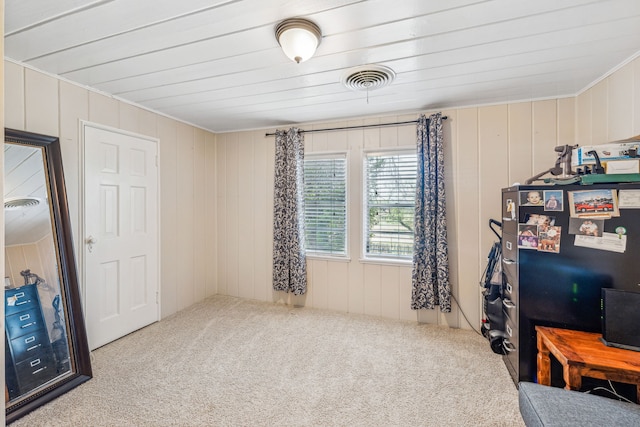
[[299, 38]]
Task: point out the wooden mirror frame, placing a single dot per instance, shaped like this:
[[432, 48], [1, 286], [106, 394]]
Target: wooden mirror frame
[[77, 335]]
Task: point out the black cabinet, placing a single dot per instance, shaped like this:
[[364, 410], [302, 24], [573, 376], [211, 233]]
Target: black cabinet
[[511, 296], [560, 289], [29, 360]]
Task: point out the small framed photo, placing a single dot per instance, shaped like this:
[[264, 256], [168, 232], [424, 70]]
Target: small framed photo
[[539, 219], [602, 203], [586, 226], [549, 238], [527, 236], [7, 283], [553, 200], [531, 198]]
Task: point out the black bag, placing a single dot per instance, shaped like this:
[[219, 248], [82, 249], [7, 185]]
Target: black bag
[[492, 282]]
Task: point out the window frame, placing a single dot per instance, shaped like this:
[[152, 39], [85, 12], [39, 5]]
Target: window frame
[[365, 256], [329, 155]]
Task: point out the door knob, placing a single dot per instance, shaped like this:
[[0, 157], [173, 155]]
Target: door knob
[[90, 242]]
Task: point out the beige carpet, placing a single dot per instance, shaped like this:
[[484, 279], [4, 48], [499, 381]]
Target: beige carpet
[[233, 362]]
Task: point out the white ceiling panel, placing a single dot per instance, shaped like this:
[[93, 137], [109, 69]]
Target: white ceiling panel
[[25, 14], [217, 64], [24, 177], [87, 24]]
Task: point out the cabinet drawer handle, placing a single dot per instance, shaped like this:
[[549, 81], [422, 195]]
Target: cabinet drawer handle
[[508, 303], [31, 339], [509, 287], [22, 302], [37, 371], [509, 245], [33, 347], [35, 362], [508, 261], [509, 331], [508, 346], [25, 317], [26, 325], [19, 294]]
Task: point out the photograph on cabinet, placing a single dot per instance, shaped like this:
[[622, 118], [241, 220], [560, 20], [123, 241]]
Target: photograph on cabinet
[[531, 198], [601, 203], [527, 236], [549, 238], [553, 200], [586, 226], [539, 219]]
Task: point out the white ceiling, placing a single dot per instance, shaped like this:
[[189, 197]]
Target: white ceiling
[[217, 64], [24, 177]]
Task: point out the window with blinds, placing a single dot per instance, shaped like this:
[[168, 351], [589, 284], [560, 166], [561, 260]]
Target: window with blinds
[[325, 198], [390, 204]]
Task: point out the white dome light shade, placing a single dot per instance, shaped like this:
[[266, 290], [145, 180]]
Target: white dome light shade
[[299, 38], [298, 44]]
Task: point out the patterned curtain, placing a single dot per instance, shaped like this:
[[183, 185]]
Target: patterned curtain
[[430, 276], [289, 259]]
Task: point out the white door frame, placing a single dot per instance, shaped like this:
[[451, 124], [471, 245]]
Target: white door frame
[[81, 202]]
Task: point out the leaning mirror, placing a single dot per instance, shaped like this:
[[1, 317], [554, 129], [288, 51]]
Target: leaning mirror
[[46, 351]]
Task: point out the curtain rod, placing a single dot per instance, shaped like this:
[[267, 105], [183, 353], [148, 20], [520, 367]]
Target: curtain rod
[[357, 127]]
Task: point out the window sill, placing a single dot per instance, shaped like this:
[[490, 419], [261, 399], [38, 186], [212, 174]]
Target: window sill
[[376, 261], [321, 257], [387, 261]]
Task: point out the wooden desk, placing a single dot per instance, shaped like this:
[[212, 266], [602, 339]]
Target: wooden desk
[[582, 354]]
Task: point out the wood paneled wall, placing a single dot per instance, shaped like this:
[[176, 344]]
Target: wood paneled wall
[[610, 110], [38, 257], [216, 191], [44, 104], [487, 148]]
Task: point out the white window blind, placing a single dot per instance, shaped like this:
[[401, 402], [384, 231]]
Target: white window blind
[[325, 197], [390, 204]]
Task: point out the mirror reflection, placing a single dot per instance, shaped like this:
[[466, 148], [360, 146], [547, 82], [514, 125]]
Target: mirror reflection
[[46, 351], [36, 344]]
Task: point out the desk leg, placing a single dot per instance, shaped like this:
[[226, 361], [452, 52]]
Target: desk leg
[[544, 363], [572, 377]]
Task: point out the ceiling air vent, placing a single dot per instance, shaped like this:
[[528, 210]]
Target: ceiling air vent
[[21, 202], [368, 77]]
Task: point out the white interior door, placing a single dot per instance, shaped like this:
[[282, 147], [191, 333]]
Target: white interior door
[[121, 252]]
